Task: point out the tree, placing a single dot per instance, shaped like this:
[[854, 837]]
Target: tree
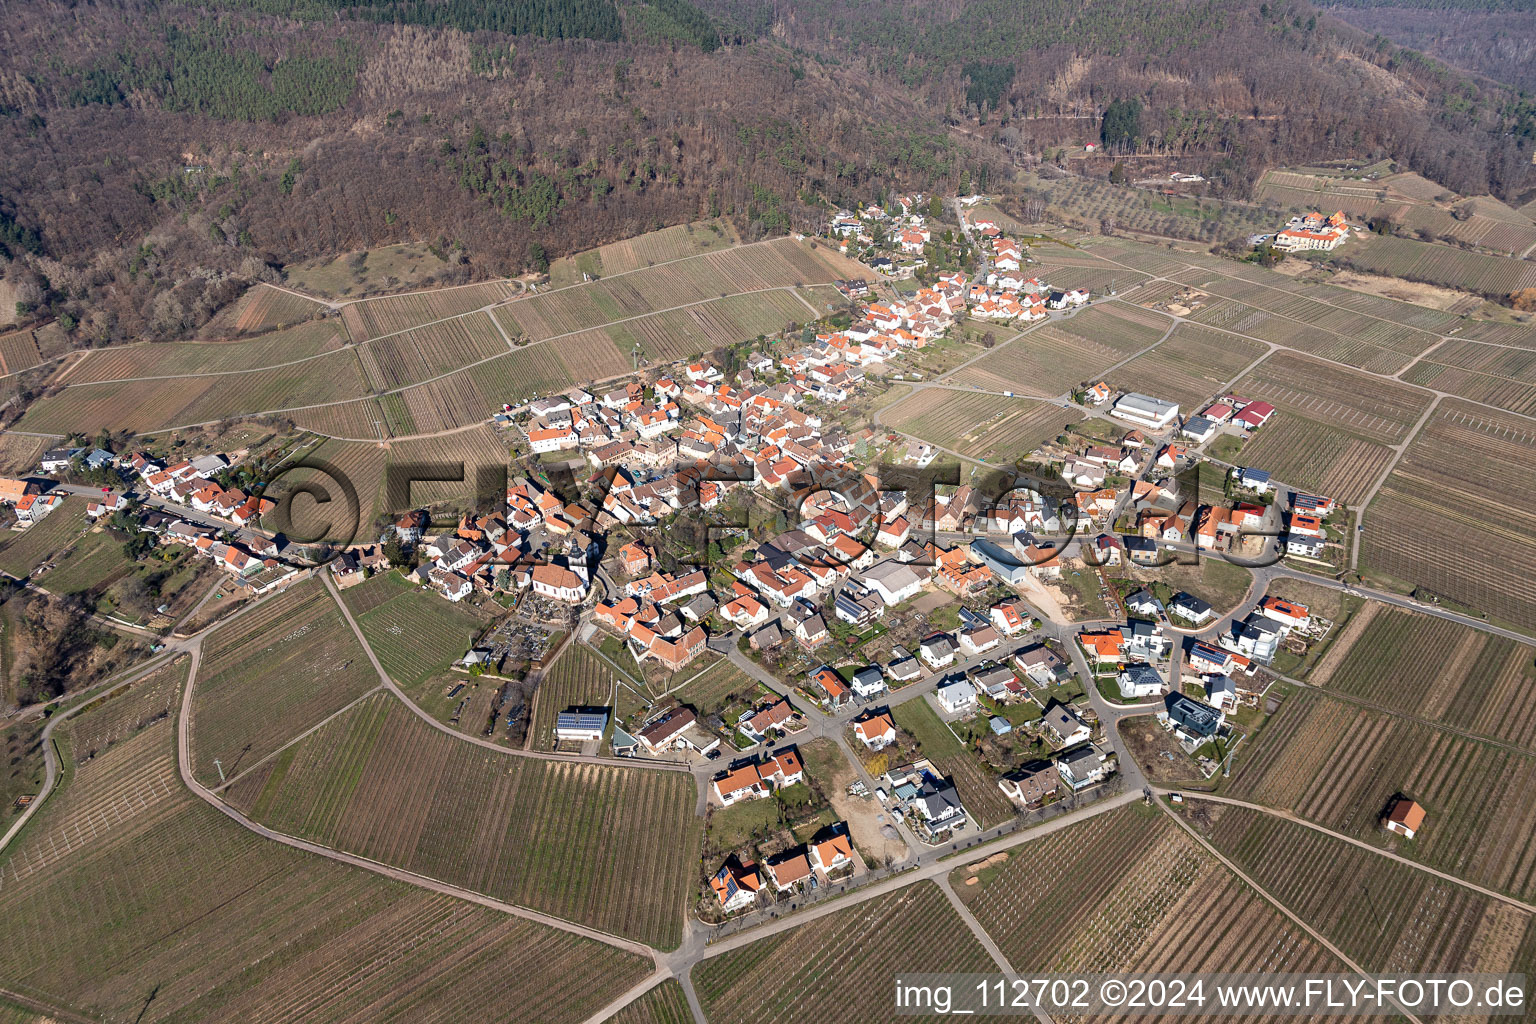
[[1121, 127], [1524, 300], [1117, 173]]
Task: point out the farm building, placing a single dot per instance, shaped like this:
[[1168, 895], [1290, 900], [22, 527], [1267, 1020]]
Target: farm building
[[1145, 411], [1406, 817], [580, 726]]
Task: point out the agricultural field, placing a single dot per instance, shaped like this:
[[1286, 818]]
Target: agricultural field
[[1438, 525], [664, 1004], [473, 395], [479, 450], [991, 428], [838, 967], [261, 308], [1119, 326], [1341, 764], [124, 711], [1308, 336], [1044, 362], [1194, 364], [612, 847], [334, 467], [363, 419], [718, 687], [1489, 374], [1493, 276], [271, 673], [578, 678], [18, 351], [415, 633], [151, 405], [373, 318], [977, 787], [406, 358], [684, 333], [1124, 891], [20, 453], [1095, 202], [673, 243], [1333, 424], [1439, 670], [780, 263], [21, 551], [1315, 457], [195, 900], [1385, 915], [179, 358]]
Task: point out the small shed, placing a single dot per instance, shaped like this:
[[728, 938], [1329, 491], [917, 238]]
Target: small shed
[[1405, 817]]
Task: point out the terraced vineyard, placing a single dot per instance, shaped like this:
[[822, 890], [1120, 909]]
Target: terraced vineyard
[[371, 318], [169, 359], [1495, 276], [131, 890], [1127, 891], [612, 847], [1437, 523], [262, 308], [768, 982], [1340, 765], [426, 352], [645, 250], [269, 675], [18, 351]]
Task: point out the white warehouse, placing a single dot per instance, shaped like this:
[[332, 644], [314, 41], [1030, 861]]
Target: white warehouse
[[1146, 411]]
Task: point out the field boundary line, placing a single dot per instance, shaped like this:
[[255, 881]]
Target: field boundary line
[[544, 755], [623, 999], [301, 736], [1294, 819], [1316, 935], [256, 413], [184, 766], [1398, 451]]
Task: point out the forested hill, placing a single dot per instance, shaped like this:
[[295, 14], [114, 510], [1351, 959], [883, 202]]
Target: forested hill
[[158, 155], [1496, 38]]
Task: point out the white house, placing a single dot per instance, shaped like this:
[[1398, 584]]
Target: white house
[[894, 581], [956, 696]]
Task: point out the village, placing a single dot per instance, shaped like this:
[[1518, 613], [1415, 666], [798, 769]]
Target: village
[[731, 506]]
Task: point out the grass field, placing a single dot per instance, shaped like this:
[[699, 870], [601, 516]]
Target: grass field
[[140, 902], [414, 633], [1436, 669], [270, 674], [1340, 764], [1385, 915], [978, 789], [407, 265], [839, 967], [1128, 891], [992, 428], [612, 847], [22, 551], [1438, 524]]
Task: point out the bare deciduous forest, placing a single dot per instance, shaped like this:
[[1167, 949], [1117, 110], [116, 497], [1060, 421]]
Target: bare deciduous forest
[[158, 158]]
